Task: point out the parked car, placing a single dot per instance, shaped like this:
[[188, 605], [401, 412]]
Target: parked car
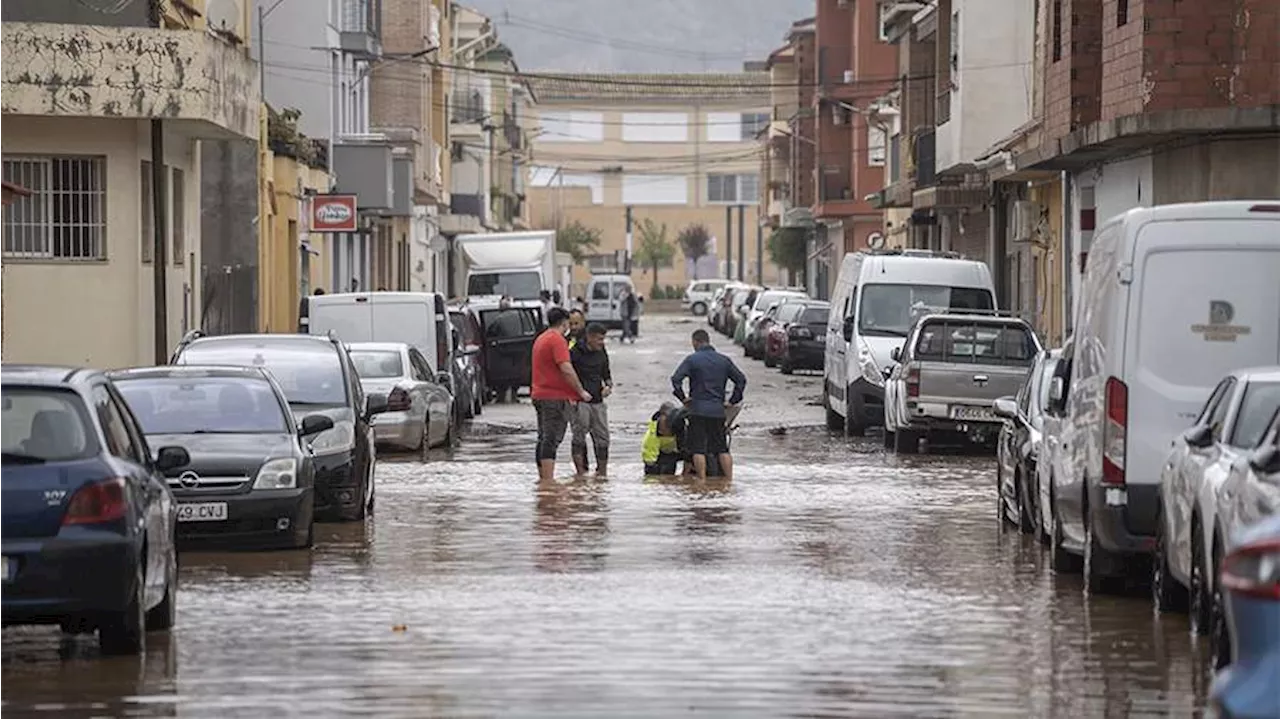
[[796, 340], [698, 295], [1251, 593], [420, 409], [746, 311], [952, 370], [1228, 427], [317, 377], [1054, 476], [758, 327], [89, 524], [721, 313], [763, 301], [1019, 448], [1151, 341], [419, 319], [468, 370], [251, 477], [509, 328], [872, 305]]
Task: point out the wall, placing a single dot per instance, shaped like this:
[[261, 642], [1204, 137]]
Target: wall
[[1073, 83], [102, 311], [1223, 170], [76, 12]]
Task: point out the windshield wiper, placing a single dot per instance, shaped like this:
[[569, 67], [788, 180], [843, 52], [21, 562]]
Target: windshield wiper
[[19, 458]]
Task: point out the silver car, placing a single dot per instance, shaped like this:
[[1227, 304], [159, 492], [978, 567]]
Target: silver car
[[419, 404], [1231, 423]]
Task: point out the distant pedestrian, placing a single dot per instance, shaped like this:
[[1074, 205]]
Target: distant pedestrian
[[591, 362], [545, 298], [629, 309], [556, 299], [708, 373], [555, 391]]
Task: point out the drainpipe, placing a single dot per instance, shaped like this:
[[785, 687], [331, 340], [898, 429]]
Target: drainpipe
[[159, 255]]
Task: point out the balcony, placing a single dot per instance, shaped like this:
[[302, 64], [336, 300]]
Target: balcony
[[468, 113], [472, 205], [361, 28], [189, 76]]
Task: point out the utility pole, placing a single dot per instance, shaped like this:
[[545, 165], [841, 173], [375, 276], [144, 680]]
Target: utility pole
[[742, 234], [159, 249], [759, 253], [626, 268], [728, 242]]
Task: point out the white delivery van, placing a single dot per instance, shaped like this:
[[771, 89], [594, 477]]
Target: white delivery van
[[603, 299], [872, 308], [419, 319], [1173, 299]]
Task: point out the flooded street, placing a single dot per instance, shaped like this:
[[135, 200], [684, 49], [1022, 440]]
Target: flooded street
[[830, 579]]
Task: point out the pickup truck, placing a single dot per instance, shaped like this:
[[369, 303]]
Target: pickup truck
[[949, 373]]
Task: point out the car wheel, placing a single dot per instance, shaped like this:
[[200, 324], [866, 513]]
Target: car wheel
[[468, 409], [1200, 594], [123, 632], [1219, 634], [887, 438], [1166, 594], [1002, 513], [699, 309], [835, 423], [165, 614], [477, 397], [1094, 556], [770, 361], [785, 366], [1060, 560], [306, 539]]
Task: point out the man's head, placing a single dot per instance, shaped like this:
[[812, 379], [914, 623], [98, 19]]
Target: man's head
[[558, 319], [701, 339], [577, 320], [595, 336]]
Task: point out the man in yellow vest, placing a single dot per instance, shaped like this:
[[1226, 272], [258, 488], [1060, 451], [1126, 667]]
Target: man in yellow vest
[[660, 448]]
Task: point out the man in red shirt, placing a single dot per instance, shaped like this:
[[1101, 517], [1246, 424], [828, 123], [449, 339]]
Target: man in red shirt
[[555, 390]]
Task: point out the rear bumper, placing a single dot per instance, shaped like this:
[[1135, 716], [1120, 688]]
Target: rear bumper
[[68, 576], [1116, 512], [259, 519], [398, 429], [810, 356]]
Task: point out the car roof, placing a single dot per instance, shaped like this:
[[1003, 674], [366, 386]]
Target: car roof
[[1270, 373], [379, 346], [189, 370], [261, 340], [45, 375]]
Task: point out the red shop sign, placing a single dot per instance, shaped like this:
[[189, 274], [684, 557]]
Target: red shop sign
[[333, 213]]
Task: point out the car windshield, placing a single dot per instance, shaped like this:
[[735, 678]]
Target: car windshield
[[1257, 407], [977, 342], [507, 324], [815, 315], [377, 364], [205, 405], [308, 375], [516, 285], [789, 311], [43, 424], [887, 309]]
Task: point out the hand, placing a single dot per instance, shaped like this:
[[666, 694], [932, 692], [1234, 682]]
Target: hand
[[585, 395], [686, 401], [606, 391]]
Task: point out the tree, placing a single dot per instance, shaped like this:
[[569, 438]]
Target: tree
[[788, 249], [695, 241], [655, 249], [578, 240]]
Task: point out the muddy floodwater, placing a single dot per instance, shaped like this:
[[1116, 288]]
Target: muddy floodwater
[[830, 579]]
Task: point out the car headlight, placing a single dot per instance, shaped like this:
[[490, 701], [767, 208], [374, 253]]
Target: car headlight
[[277, 474], [342, 438], [867, 364]]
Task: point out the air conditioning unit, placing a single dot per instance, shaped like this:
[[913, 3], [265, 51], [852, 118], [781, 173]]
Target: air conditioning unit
[[848, 77], [1026, 217]]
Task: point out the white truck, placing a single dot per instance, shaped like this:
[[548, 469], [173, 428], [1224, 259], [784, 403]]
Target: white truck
[[519, 265]]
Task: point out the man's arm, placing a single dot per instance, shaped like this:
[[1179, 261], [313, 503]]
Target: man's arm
[[739, 383], [677, 379], [606, 376], [565, 363]]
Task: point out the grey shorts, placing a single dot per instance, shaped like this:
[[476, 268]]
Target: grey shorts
[[554, 416], [590, 419]]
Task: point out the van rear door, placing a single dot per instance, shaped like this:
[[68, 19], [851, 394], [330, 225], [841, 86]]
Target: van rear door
[[347, 317], [1205, 300]]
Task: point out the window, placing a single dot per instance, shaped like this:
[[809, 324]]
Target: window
[[377, 364], [1056, 29], [1122, 13], [976, 342], [189, 405], [600, 291], [735, 126], [178, 198], [571, 126], [48, 424], [589, 180], [753, 123], [64, 217], [655, 190], [1218, 416], [148, 219], [876, 140], [655, 127], [733, 189], [600, 263], [306, 374], [882, 28], [954, 51], [887, 310], [1256, 409], [421, 368], [114, 428]]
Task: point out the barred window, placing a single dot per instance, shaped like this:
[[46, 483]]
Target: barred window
[[64, 217]]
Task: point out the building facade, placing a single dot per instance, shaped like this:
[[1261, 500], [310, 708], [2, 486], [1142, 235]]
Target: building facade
[[673, 150], [113, 171]]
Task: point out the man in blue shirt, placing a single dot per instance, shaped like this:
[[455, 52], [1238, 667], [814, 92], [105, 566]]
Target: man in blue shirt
[[708, 372]]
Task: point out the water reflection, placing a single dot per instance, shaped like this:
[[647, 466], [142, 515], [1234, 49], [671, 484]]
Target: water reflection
[[571, 524]]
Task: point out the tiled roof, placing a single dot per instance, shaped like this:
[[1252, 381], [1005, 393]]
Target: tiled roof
[[650, 87]]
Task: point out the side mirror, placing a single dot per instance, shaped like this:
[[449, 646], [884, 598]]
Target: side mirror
[[314, 424], [444, 378], [1199, 436], [375, 404], [1265, 460], [895, 354], [168, 458], [1057, 393], [1006, 407], [847, 329]]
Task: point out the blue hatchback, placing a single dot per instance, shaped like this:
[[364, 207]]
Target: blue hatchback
[[1251, 582], [88, 523]]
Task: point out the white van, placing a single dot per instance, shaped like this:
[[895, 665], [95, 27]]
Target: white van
[[603, 293], [419, 319], [871, 311], [1173, 299]]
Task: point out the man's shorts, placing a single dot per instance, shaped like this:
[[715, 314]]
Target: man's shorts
[[705, 435]]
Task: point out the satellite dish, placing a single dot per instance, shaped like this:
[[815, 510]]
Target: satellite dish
[[224, 15], [875, 240]]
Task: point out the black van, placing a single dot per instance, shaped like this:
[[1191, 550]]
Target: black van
[[509, 329]]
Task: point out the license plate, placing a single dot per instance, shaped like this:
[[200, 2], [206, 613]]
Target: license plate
[[10, 568], [202, 512], [974, 413]]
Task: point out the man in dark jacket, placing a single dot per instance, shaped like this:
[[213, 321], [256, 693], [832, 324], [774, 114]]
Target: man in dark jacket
[[591, 362], [708, 373]]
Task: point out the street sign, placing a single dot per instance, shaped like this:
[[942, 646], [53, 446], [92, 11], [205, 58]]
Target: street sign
[[875, 240], [333, 213]]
